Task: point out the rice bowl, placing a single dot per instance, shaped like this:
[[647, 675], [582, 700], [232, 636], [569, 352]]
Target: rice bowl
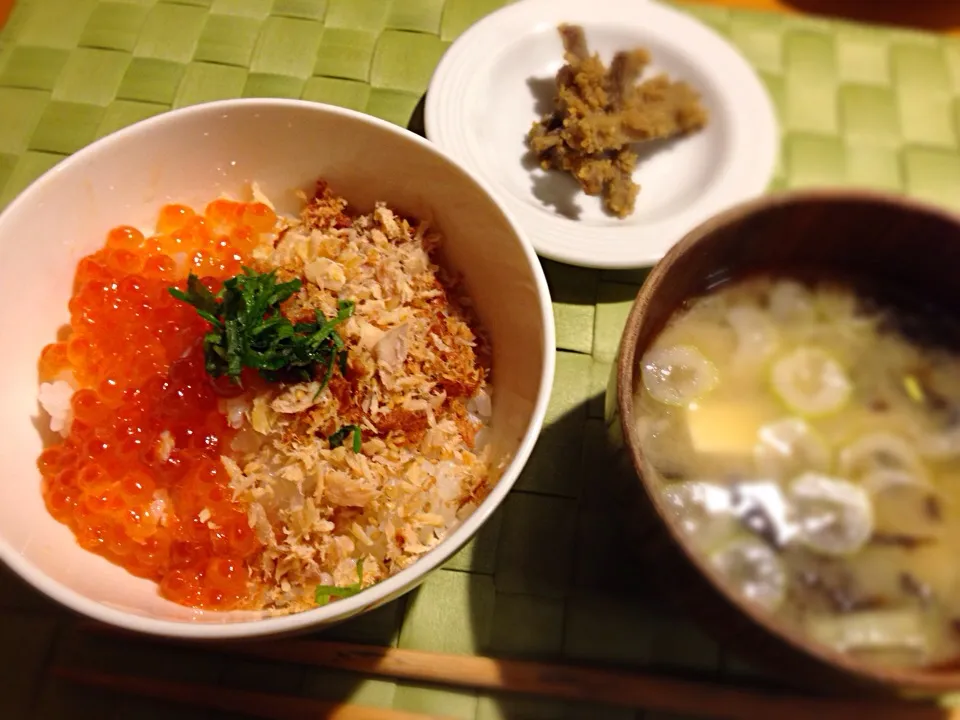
[[488, 434]]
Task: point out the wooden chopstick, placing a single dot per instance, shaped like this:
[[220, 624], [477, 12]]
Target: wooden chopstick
[[566, 682], [570, 682], [262, 705]]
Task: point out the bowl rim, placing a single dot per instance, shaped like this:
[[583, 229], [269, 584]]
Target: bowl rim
[[393, 586], [922, 679]]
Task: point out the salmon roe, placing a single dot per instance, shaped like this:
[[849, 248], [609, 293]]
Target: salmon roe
[[138, 478]]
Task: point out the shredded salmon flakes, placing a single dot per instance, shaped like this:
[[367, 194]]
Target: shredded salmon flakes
[[416, 384]]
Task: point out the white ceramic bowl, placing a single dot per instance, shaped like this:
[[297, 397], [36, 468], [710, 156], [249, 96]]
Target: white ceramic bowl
[[191, 156]]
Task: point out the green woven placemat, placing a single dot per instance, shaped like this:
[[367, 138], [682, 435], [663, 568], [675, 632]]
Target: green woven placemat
[[545, 578]]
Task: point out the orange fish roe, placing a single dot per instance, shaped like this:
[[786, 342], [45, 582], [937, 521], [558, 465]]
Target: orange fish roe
[[139, 479]]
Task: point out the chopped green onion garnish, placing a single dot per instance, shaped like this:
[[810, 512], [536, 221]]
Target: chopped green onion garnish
[[336, 440], [324, 593], [914, 389]]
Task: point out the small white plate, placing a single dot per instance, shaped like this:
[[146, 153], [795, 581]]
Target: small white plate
[[498, 78]]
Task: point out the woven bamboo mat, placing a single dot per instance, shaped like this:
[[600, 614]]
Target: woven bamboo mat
[[545, 578]]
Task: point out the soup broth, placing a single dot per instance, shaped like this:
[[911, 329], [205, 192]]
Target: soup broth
[[807, 442]]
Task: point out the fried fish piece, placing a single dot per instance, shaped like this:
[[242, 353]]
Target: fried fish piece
[[600, 112]]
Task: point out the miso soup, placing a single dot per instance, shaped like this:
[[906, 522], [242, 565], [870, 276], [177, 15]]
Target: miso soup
[[808, 445]]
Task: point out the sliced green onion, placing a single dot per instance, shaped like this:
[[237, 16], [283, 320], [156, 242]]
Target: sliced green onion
[[901, 504], [338, 438], [896, 629], [791, 302], [880, 451], [787, 447], [754, 570], [678, 375], [322, 594], [832, 516], [811, 382], [702, 510], [757, 337], [914, 389]]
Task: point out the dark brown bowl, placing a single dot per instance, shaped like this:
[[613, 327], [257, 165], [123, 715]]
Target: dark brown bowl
[[886, 241]]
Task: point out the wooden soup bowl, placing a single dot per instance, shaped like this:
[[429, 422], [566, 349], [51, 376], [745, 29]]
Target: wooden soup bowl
[[886, 241]]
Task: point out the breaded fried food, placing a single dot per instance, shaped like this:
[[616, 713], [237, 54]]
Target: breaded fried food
[[600, 112]]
